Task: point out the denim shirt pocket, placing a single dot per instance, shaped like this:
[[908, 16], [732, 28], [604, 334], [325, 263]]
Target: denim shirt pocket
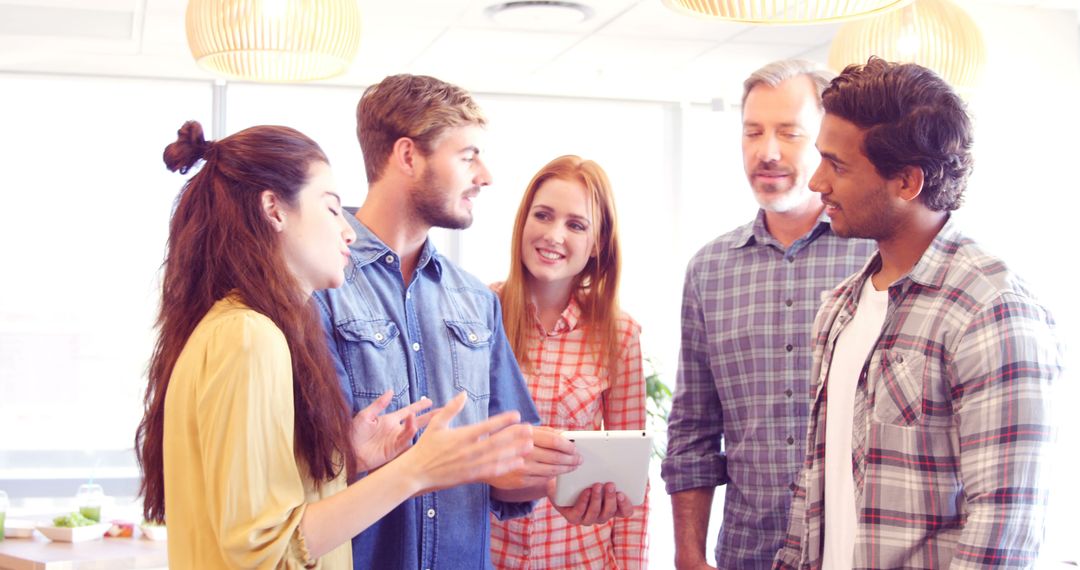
[[374, 361], [899, 395], [470, 353]]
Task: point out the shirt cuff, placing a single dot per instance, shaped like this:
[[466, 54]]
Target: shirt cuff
[[298, 546], [504, 510], [681, 473]]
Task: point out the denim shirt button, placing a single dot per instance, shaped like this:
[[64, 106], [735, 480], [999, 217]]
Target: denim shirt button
[[416, 347], [379, 336], [389, 259], [472, 337], [431, 513]]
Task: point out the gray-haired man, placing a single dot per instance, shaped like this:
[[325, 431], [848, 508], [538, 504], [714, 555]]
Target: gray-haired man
[[749, 299]]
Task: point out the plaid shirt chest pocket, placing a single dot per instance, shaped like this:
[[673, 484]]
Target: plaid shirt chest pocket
[[373, 359], [470, 354], [578, 400], [900, 388]]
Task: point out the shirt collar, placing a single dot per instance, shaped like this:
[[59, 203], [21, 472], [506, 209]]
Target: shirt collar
[[932, 267], [758, 233], [567, 322], [368, 248]]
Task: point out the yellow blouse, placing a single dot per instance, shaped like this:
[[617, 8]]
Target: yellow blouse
[[234, 490]]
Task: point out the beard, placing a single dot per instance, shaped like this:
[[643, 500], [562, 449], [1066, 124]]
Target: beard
[[876, 218], [431, 205], [782, 201]]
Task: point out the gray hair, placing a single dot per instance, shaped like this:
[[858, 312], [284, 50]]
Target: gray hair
[[777, 72]]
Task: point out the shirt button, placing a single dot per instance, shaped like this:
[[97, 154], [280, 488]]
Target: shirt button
[[790, 440], [787, 392], [389, 259], [792, 487], [789, 302], [472, 337], [416, 347], [431, 513], [408, 295], [378, 336], [789, 348], [791, 260]]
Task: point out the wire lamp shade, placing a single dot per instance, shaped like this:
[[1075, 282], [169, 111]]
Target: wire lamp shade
[[274, 40], [936, 34], [783, 11]]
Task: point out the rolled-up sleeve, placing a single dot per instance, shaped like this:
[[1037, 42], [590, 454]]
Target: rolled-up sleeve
[[695, 426]]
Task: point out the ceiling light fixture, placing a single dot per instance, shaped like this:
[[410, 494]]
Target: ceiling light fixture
[[783, 11], [539, 14], [936, 34], [274, 40]]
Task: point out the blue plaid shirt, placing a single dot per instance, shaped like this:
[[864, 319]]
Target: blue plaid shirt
[[440, 335], [741, 402]]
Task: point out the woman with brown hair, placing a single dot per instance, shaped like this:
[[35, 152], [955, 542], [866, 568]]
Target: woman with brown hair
[[246, 443], [581, 357]]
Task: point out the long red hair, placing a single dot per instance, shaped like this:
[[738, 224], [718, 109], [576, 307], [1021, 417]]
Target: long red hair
[[221, 242], [596, 288]]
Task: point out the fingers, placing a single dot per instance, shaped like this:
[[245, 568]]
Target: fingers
[[411, 410], [548, 438], [576, 513], [494, 424], [423, 419], [500, 453], [444, 416], [377, 407], [608, 505], [626, 508], [596, 500]]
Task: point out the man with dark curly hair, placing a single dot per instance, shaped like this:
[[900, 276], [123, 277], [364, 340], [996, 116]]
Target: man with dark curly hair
[[932, 365]]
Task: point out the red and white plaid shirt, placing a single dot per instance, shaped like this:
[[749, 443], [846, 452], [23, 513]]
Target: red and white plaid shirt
[[573, 390]]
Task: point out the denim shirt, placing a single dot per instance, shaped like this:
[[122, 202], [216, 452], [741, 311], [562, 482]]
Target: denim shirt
[[440, 335]]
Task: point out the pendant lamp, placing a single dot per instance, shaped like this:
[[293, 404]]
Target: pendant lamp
[[783, 11], [936, 34], [274, 40]]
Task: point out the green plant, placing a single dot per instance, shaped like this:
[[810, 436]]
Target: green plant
[[657, 407]]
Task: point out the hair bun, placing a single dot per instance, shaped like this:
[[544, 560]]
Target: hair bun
[[190, 147]]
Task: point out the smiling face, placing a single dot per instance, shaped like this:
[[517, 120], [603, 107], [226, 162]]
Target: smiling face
[[450, 178], [859, 201], [779, 127], [315, 236], [558, 237]]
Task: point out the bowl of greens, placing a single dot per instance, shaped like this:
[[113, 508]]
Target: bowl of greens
[[73, 527]]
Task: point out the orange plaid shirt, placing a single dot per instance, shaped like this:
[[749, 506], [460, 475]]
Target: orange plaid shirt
[[573, 390]]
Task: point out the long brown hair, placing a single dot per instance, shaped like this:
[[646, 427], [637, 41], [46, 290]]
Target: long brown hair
[[596, 288], [221, 242]]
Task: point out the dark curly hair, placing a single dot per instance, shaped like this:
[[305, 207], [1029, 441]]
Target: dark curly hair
[[911, 117]]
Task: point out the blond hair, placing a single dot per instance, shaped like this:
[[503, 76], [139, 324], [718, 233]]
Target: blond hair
[[417, 107]]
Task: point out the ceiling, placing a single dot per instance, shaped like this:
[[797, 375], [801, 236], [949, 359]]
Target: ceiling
[[628, 49]]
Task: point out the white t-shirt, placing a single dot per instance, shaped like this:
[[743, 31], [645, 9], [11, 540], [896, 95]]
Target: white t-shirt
[[850, 354]]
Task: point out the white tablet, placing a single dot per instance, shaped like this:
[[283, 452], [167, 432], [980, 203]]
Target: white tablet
[[621, 457]]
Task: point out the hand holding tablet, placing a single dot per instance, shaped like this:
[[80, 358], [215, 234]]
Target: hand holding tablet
[[619, 457]]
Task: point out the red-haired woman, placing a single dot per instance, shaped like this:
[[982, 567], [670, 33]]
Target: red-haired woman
[[581, 357], [246, 443]]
